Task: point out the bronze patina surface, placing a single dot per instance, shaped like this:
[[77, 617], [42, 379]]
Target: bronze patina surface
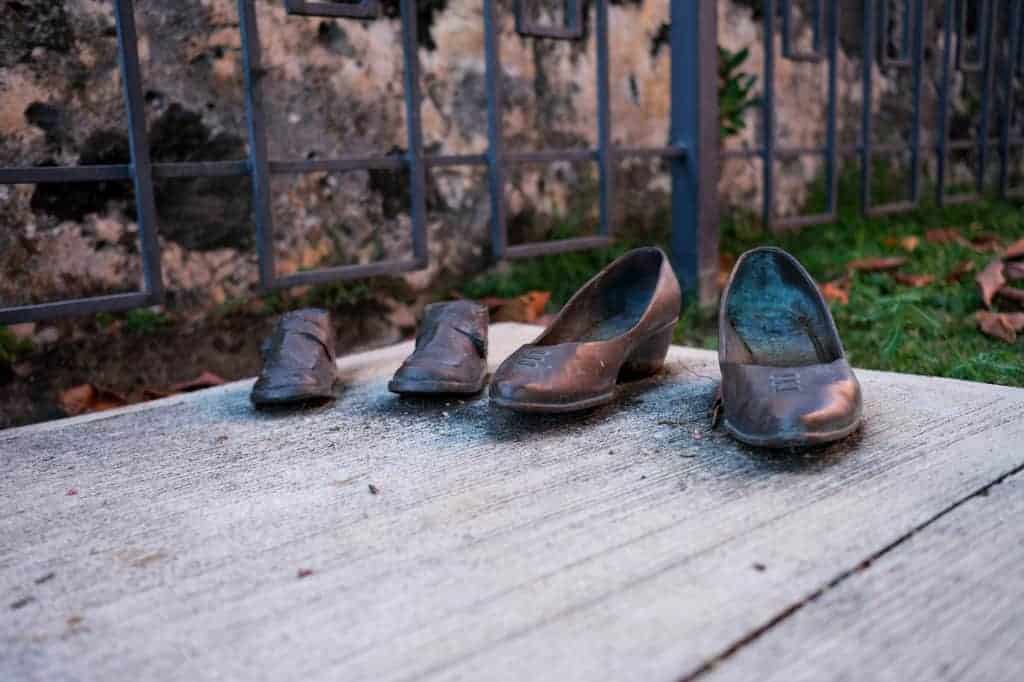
[[298, 360], [785, 378], [451, 351], [618, 325]]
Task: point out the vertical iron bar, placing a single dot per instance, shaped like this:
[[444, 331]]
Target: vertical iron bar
[[768, 117], [414, 156], [915, 131], [695, 126], [259, 169], [605, 159], [866, 115], [142, 172], [831, 172], [988, 59], [943, 132], [495, 146], [1008, 77]]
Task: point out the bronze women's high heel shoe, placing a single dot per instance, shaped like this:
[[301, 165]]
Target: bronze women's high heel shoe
[[785, 378], [619, 324]]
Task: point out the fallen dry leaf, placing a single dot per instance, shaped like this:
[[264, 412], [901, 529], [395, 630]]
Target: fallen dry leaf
[[1015, 250], [916, 281], [876, 264], [525, 308], [990, 280], [959, 270], [908, 244], [1000, 325], [986, 242], [89, 398], [1012, 293], [1013, 271], [836, 291], [726, 262], [204, 380], [944, 235]]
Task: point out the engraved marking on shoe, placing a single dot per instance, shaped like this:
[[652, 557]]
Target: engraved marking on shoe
[[532, 358], [785, 382]]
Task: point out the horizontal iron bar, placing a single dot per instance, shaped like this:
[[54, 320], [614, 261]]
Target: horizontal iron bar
[[456, 160], [796, 222], [557, 246], [345, 163], [880, 210], [204, 169], [201, 169], [38, 312], [326, 275], [43, 174]]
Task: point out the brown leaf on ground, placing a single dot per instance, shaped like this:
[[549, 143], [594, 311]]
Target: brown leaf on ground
[[525, 308], [916, 281], [959, 270], [204, 380], [89, 398], [986, 242], [876, 264], [726, 261], [545, 320], [836, 291], [908, 244], [990, 280], [944, 235], [1013, 271], [1011, 293], [1015, 250], [1000, 325]]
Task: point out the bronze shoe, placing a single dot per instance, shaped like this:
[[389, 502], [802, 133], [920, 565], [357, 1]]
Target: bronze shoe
[[785, 378], [298, 361], [451, 351], [618, 325]]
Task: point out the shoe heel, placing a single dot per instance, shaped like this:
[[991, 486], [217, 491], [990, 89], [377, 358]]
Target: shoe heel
[[649, 356]]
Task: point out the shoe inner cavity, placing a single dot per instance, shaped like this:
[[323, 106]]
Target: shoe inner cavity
[[776, 316]]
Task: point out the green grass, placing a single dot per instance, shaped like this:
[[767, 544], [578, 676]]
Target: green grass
[[887, 326]]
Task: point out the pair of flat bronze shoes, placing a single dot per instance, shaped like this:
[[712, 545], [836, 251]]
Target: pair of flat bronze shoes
[[785, 378]]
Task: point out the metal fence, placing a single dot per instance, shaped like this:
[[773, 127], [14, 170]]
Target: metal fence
[[980, 38], [693, 126]]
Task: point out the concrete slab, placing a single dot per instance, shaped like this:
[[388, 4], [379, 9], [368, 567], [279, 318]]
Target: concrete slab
[[207, 541]]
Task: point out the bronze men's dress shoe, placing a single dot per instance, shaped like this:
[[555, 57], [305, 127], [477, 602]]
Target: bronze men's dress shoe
[[298, 361], [618, 325], [785, 378], [451, 351]]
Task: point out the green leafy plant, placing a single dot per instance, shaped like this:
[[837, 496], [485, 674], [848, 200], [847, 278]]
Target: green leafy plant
[[735, 88], [11, 347], [144, 321]]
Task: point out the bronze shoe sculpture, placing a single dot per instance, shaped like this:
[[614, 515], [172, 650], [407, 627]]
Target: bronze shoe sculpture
[[298, 361], [618, 325], [785, 378], [451, 351]]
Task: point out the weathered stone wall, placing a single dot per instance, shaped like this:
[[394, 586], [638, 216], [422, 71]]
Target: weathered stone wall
[[331, 88]]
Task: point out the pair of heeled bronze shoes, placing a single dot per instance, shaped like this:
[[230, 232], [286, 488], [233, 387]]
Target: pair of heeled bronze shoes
[[785, 378]]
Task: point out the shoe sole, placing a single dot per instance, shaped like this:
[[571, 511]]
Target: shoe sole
[[782, 442], [554, 408], [594, 401], [435, 387]]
